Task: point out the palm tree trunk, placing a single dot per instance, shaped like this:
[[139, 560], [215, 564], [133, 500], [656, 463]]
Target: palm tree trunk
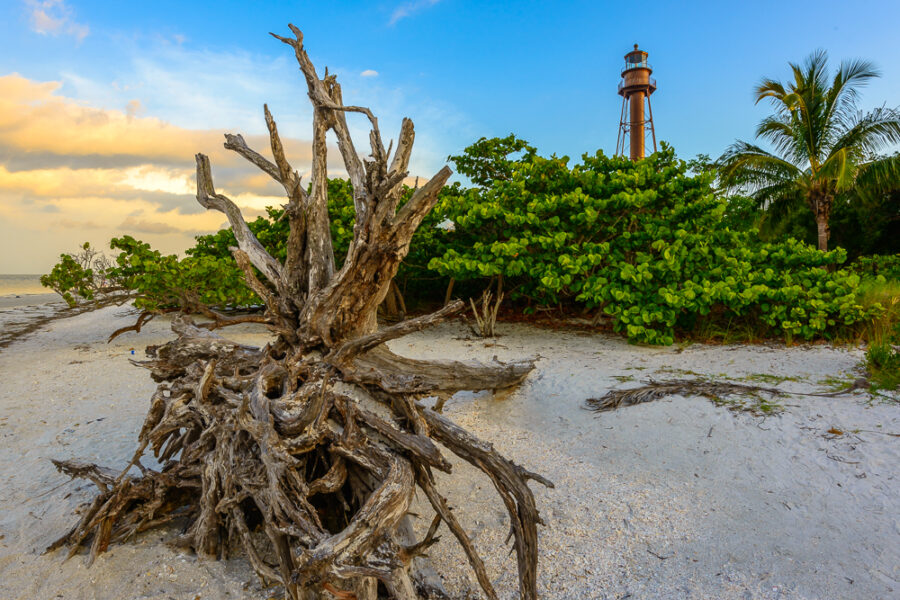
[[820, 201], [823, 231]]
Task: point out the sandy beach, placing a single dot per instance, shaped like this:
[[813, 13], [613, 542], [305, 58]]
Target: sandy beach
[[673, 499]]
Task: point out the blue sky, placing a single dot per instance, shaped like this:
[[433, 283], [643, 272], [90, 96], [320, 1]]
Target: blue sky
[[545, 70]]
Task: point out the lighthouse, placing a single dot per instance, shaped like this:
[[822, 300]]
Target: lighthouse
[[635, 88]]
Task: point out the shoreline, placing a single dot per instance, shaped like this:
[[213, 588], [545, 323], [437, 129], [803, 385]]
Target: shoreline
[[29, 299], [24, 314]]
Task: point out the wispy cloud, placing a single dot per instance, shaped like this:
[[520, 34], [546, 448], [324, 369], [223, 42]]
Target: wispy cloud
[[410, 8], [131, 224], [55, 17], [369, 73]]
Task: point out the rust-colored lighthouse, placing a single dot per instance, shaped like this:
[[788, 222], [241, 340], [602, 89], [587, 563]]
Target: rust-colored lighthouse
[[635, 87]]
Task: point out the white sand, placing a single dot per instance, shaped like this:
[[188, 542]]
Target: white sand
[[672, 499]]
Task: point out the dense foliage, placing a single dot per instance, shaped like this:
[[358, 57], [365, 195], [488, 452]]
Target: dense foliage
[[887, 266], [648, 244], [165, 281], [642, 241], [863, 225]]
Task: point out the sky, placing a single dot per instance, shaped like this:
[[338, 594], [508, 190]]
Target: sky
[[103, 104]]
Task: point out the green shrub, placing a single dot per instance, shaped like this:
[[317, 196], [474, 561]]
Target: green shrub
[[883, 332], [165, 281], [81, 275], [645, 243], [648, 244]]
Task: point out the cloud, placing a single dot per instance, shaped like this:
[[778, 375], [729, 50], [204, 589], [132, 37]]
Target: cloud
[[133, 225], [54, 17], [409, 8], [41, 129], [78, 225], [134, 108], [71, 172], [369, 73], [97, 147]]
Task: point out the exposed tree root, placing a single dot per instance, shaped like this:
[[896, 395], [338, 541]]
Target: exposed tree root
[[304, 455], [324, 467]]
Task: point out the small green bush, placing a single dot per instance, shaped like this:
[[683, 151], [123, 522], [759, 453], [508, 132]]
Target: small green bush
[[81, 275]]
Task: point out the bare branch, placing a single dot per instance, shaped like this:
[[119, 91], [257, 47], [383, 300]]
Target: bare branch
[[365, 343], [321, 97], [236, 143], [143, 318], [441, 508], [400, 164], [423, 200], [208, 198]]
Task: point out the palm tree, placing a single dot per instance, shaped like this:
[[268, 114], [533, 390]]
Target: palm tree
[[823, 144]]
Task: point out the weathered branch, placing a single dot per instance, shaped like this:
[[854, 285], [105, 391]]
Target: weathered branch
[[365, 343], [286, 174], [420, 204], [320, 97], [319, 254], [400, 164], [423, 478], [208, 198], [142, 320], [510, 482], [401, 375], [236, 143]]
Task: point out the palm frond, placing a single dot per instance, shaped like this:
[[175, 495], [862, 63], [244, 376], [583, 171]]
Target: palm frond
[[869, 133], [840, 167], [878, 177], [778, 130], [815, 69], [781, 199], [769, 88], [748, 166], [850, 76]]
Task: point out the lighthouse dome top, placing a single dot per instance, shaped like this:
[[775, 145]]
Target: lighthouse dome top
[[636, 59]]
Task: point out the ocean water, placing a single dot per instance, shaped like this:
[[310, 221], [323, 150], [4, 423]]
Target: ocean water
[[22, 284]]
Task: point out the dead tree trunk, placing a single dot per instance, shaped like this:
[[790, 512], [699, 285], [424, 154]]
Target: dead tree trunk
[[306, 453]]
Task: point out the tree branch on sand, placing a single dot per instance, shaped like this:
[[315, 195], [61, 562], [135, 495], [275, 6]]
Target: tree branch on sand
[[306, 453]]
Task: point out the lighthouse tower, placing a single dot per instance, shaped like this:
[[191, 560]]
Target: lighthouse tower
[[635, 87]]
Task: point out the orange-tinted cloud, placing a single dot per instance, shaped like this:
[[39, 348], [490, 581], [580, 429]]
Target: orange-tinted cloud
[[70, 173]]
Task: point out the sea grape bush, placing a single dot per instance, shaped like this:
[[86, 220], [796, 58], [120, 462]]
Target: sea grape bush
[[83, 275], [71, 278], [154, 281], [642, 241], [165, 281]]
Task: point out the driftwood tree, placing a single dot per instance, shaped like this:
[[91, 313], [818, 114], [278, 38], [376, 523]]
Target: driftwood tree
[[306, 454]]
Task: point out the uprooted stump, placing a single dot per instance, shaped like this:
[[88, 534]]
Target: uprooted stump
[[305, 454]]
